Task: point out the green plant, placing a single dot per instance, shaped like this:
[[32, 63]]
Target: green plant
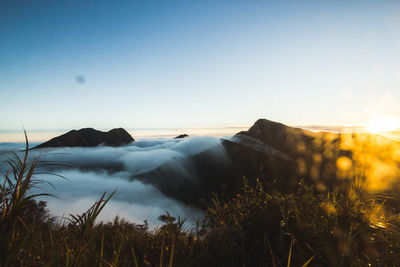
[[16, 199]]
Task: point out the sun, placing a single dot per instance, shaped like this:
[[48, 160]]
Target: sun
[[382, 124]]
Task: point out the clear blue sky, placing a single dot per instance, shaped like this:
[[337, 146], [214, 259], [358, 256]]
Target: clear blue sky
[[71, 64]]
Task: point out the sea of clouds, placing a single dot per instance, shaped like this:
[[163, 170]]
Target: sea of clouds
[[89, 172]]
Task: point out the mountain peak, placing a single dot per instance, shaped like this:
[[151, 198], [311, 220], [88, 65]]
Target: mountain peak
[[89, 137], [278, 135]]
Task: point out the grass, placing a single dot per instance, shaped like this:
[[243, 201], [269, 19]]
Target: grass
[[260, 226]]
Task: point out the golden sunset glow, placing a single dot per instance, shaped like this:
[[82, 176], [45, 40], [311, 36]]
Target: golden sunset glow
[[381, 124]]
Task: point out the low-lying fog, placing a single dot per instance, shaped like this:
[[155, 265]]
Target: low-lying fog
[[89, 172]]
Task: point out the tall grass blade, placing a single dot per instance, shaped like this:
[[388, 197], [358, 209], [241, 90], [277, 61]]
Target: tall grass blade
[[171, 257], [134, 257], [308, 262], [162, 250], [290, 254]]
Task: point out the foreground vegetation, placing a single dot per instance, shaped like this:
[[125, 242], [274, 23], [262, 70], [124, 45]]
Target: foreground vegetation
[[260, 226]]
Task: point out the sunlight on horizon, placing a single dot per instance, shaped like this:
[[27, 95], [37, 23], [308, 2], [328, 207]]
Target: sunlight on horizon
[[382, 124]]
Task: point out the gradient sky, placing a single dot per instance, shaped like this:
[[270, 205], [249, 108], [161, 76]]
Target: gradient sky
[[70, 64]]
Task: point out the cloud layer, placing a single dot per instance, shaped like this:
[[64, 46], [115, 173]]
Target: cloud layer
[[91, 171]]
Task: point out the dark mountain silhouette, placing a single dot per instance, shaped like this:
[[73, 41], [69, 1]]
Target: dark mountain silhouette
[[280, 136], [89, 137], [284, 155], [181, 136]]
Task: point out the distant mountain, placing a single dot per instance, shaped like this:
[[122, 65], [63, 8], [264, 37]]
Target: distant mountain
[[181, 136], [89, 137]]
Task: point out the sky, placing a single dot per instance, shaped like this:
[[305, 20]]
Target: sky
[[70, 64]]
